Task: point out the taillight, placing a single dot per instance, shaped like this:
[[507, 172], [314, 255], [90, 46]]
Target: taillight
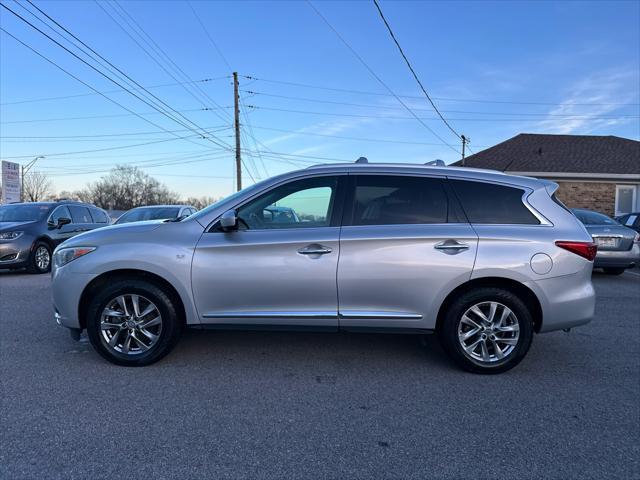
[[586, 250]]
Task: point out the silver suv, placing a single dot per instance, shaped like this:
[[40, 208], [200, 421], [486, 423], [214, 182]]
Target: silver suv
[[483, 259]]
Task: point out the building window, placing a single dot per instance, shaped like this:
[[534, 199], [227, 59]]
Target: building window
[[625, 198]]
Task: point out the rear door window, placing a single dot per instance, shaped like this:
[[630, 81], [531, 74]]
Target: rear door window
[[490, 203], [80, 214], [99, 216], [397, 200]]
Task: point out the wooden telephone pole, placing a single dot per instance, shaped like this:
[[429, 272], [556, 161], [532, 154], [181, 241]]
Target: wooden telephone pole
[[236, 112], [465, 140]]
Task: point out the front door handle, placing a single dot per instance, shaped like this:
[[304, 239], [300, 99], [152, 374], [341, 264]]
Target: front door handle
[[451, 246], [314, 249]]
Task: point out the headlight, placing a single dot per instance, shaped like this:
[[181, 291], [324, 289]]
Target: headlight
[[10, 235], [65, 255]]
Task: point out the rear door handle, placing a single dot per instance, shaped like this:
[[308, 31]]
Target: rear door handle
[[451, 246], [314, 249]]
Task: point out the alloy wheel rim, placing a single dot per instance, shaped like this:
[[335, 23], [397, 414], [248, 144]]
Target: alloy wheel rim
[[42, 258], [488, 332], [130, 324]]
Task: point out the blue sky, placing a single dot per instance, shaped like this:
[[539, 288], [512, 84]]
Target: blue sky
[[496, 69]]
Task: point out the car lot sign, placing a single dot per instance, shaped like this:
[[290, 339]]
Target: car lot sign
[[10, 182]]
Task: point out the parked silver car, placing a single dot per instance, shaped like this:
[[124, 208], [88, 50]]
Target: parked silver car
[[618, 246], [155, 212], [483, 259]]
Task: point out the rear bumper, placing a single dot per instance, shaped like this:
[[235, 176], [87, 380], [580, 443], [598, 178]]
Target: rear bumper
[[567, 301], [619, 259]]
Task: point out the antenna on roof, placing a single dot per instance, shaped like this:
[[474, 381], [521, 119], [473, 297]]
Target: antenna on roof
[[362, 160], [437, 163]]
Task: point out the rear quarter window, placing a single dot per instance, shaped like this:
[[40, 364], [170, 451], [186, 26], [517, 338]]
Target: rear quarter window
[[491, 203]]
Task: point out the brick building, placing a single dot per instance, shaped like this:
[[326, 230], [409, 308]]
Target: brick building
[[595, 172]]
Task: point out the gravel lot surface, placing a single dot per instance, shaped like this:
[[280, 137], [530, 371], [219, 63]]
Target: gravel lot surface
[[301, 405]]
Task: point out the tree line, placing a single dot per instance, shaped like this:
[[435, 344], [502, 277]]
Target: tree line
[[123, 188]]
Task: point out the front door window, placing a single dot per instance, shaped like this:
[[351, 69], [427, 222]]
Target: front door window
[[301, 204]]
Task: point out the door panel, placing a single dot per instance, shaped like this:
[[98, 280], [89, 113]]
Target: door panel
[[260, 277], [394, 276], [279, 267]]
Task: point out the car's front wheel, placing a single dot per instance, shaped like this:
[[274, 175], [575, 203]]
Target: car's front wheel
[[133, 322], [487, 330], [40, 258]]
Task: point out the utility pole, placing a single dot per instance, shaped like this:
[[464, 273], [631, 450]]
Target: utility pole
[[465, 140], [24, 169], [236, 113]]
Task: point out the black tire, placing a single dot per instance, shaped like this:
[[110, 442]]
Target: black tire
[[171, 322], [614, 271], [448, 329], [33, 264]]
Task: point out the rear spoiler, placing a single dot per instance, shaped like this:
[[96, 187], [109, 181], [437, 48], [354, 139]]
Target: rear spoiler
[[550, 186]]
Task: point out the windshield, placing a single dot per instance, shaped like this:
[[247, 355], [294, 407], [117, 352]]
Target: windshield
[[594, 218], [23, 213], [148, 213]]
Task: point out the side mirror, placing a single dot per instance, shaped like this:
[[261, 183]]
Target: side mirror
[[228, 220], [62, 221]]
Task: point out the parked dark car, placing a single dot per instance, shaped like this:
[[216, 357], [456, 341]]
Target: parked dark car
[[156, 212], [30, 231], [618, 246], [630, 220]]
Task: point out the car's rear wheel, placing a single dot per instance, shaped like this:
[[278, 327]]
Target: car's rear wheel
[[40, 258], [613, 271], [487, 330], [133, 322]]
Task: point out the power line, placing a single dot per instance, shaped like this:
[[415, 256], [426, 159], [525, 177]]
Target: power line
[[98, 71], [391, 117], [215, 128], [206, 31], [85, 170], [119, 90], [413, 72], [89, 86], [171, 63], [120, 147], [359, 139], [120, 73], [394, 107], [88, 117], [442, 99], [378, 78]]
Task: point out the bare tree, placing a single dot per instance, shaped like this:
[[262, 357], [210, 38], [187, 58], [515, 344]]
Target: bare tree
[[37, 187], [200, 202], [127, 187]]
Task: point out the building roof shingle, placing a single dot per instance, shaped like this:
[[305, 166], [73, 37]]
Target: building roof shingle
[[529, 152]]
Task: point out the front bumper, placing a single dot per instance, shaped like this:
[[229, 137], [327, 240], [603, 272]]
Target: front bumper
[[618, 259], [15, 253], [67, 288]]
